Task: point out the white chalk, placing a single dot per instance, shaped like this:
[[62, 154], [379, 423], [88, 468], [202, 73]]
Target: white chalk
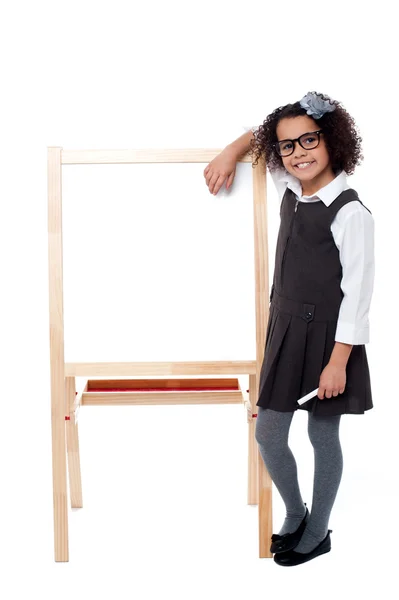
[[308, 396]]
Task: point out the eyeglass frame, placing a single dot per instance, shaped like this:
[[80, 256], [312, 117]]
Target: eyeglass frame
[[275, 145]]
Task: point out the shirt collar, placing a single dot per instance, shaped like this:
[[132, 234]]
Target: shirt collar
[[327, 194]]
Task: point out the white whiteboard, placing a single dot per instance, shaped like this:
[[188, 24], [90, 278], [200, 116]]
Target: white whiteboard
[[155, 268]]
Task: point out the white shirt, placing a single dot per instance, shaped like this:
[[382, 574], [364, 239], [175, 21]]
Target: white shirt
[[353, 233]]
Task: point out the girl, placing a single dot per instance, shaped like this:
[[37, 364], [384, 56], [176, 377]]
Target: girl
[[320, 298]]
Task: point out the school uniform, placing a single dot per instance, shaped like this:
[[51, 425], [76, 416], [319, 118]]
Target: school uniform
[[321, 293]]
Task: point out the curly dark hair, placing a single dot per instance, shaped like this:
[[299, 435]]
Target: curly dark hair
[[341, 136]]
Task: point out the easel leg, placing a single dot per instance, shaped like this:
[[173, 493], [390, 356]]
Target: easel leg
[[259, 481], [59, 472], [253, 494], [72, 434], [265, 511]]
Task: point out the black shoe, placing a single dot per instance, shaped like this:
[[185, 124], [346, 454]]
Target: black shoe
[[282, 543], [291, 558]]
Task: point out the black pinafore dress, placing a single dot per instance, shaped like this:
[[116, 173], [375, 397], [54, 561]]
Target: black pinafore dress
[[304, 307]]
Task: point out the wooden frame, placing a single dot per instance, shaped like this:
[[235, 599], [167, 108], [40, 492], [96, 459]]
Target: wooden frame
[[66, 400]]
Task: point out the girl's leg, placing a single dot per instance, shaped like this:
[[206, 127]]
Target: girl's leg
[[328, 466], [271, 433]]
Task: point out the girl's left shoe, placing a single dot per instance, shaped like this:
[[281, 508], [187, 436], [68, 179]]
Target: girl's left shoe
[[291, 558]]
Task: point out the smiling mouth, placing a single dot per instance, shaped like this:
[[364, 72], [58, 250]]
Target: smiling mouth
[[310, 163]]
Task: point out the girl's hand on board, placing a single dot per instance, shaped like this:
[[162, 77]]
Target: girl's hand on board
[[332, 381], [220, 169]]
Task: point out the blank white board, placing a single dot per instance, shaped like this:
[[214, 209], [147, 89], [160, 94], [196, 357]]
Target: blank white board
[[155, 268]]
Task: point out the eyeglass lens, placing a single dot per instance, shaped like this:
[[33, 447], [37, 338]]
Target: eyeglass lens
[[307, 140]]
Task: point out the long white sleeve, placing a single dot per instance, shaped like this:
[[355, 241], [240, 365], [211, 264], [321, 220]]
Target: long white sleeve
[[355, 242]]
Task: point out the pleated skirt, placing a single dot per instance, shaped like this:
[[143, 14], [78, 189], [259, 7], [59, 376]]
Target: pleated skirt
[[299, 343]]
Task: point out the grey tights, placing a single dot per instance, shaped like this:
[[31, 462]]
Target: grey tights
[[272, 429]]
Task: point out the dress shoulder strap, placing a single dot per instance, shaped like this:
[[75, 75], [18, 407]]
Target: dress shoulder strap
[[349, 195]]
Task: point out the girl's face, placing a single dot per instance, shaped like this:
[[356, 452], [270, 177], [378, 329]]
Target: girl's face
[[319, 172]]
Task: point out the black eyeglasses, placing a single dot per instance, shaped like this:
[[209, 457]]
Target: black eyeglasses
[[308, 141]]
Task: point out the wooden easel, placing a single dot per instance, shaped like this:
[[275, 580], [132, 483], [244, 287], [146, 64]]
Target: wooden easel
[[66, 399]]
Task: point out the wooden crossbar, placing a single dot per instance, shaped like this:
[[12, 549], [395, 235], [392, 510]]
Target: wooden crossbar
[[91, 157], [123, 383], [159, 368]]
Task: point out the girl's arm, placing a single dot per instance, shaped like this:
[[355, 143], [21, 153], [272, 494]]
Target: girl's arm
[[223, 167], [340, 354], [356, 248], [355, 243], [240, 146]]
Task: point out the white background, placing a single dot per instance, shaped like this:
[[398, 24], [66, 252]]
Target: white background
[[165, 488]]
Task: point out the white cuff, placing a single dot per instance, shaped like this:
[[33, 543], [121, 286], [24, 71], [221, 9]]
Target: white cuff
[[346, 333]]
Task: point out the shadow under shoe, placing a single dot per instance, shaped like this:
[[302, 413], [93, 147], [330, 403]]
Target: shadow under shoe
[[287, 541]]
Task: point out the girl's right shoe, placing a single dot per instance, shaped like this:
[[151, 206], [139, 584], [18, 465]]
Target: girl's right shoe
[[287, 541]]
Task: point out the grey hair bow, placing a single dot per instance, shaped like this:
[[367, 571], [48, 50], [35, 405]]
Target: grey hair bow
[[315, 106]]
